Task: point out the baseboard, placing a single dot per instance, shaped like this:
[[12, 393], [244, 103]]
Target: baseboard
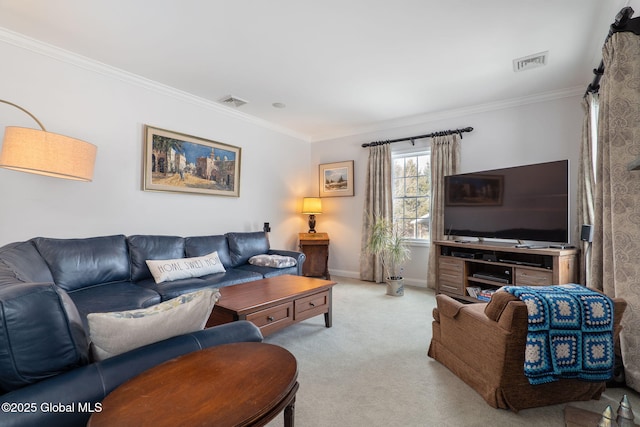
[[418, 283], [345, 273]]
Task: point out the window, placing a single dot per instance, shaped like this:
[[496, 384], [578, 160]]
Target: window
[[412, 193]]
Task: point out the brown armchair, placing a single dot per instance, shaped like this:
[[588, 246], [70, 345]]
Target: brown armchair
[[484, 344]]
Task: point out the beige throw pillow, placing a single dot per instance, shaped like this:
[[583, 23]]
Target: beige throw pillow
[[167, 270], [118, 332]]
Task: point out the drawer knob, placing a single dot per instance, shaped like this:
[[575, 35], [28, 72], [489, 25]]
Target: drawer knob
[[270, 319], [312, 304]]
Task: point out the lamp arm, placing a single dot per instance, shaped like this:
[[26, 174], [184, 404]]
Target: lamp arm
[[30, 115]]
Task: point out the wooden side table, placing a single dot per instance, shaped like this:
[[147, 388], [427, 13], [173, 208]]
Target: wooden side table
[[240, 384], [316, 248]]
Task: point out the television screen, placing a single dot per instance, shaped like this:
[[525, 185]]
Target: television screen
[[528, 202]]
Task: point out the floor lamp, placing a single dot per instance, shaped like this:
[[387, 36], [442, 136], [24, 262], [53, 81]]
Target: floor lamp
[[46, 153]]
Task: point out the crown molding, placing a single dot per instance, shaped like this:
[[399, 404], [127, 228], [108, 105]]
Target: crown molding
[[419, 119], [41, 48]]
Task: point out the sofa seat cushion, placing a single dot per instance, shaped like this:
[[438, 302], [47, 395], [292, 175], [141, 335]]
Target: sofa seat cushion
[[149, 247], [113, 297], [41, 334], [233, 276], [268, 271], [168, 290], [77, 263], [118, 332]]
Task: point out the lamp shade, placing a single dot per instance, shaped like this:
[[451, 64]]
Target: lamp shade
[[312, 205], [46, 153]]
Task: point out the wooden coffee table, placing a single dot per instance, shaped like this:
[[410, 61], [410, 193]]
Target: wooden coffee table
[[241, 384], [274, 303]]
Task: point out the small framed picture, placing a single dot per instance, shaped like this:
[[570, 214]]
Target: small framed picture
[[336, 179], [187, 164]]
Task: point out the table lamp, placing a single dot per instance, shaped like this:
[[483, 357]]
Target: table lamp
[[45, 153], [312, 206]]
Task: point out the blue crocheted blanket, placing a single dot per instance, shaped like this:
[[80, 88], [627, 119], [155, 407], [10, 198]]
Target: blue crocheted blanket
[[570, 333]]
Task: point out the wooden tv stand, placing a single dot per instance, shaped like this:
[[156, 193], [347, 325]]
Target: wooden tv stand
[[465, 267]]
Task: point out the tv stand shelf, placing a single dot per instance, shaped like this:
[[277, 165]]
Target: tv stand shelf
[[465, 267]]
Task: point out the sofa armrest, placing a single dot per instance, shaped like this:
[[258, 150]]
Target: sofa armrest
[[300, 257], [82, 389]]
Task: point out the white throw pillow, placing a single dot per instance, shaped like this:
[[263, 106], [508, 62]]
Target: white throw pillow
[[118, 332], [167, 270], [275, 261]]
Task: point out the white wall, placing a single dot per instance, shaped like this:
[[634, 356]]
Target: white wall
[[109, 109], [510, 134]]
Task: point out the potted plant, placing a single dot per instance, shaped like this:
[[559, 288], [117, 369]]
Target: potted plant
[[386, 241]]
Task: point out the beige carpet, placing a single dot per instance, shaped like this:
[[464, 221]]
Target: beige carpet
[[371, 369]]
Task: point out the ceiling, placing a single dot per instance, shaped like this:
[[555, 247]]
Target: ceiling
[[340, 66]]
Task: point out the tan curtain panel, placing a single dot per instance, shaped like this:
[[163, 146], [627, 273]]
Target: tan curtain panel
[[586, 179], [616, 247], [445, 160], [378, 204]]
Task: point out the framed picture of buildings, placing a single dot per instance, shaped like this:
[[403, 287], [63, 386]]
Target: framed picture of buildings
[[336, 179], [183, 163]]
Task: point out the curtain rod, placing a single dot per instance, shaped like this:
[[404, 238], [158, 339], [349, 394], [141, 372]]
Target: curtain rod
[[622, 23], [412, 138]]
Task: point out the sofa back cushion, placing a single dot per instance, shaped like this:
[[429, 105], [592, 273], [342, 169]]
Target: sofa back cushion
[[21, 262], [150, 247], [41, 334], [203, 245], [243, 246], [497, 304], [78, 263]]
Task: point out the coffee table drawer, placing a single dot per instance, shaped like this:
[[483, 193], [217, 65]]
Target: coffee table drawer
[[273, 318], [312, 305]]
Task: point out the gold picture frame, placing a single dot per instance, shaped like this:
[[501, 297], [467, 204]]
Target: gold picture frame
[[177, 162], [336, 179]]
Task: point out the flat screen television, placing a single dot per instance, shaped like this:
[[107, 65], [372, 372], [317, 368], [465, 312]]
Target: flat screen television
[[529, 202]]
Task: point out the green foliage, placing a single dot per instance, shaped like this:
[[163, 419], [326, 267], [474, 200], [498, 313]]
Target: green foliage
[[387, 242], [411, 195]]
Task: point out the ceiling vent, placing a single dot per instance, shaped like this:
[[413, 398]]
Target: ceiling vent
[[531, 61], [232, 101]]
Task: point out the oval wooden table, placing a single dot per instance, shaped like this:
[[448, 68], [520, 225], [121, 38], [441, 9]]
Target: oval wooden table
[[240, 384]]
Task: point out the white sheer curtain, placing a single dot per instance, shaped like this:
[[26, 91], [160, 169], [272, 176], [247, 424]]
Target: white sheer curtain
[[445, 160], [586, 177], [378, 204]]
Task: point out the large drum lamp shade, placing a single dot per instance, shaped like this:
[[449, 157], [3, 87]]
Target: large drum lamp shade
[[46, 153]]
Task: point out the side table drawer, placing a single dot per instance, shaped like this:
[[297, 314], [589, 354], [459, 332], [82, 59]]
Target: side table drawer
[[452, 268], [273, 318], [526, 277], [451, 275], [311, 306]]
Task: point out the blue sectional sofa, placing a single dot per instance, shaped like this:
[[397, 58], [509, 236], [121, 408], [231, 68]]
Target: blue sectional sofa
[[49, 286]]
